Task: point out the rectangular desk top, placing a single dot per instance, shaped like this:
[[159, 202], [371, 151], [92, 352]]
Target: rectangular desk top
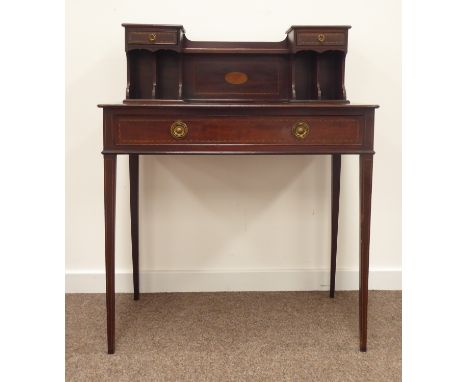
[[290, 105]]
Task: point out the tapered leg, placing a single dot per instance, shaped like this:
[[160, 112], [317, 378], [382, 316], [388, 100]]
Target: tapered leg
[[335, 187], [133, 165], [109, 214], [365, 194]]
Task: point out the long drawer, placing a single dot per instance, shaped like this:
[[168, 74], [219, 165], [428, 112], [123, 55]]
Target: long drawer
[[336, 130]]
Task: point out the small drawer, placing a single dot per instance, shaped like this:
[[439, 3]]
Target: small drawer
[[320, 38], [153, 37], [287, 130]]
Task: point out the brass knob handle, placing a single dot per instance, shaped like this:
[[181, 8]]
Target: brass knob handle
[[321, 37], [300, 130], [152, 37], [179, 129]]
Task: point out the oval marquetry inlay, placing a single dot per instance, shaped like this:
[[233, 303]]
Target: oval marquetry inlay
[[236, 78]]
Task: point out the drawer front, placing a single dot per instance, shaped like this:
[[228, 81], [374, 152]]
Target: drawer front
[[153, 37], [320, 38], [311, 131]]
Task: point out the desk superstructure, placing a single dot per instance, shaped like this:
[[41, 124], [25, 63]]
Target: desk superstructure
[[200, 97]]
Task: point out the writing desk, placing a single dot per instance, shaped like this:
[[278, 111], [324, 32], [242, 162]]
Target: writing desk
[[219, 98]]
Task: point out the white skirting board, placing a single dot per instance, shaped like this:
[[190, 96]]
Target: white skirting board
[[199, 280]]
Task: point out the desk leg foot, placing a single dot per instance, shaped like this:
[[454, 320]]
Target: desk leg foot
[[110, 162], [365, 195], [134, 190], [335, 187]]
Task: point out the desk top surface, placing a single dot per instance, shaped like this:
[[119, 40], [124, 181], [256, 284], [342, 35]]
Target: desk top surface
[[158, 104]]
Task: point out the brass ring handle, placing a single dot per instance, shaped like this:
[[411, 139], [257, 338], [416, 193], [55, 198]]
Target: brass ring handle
[[179, 129], [321, 37], [152, 37], [300, 130]]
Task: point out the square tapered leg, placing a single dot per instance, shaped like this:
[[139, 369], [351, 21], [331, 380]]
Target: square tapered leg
[[365, 195], [335, 188], [109, 214], [134, 190]]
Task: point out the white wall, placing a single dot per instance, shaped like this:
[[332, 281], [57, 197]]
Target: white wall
[[241, 222]]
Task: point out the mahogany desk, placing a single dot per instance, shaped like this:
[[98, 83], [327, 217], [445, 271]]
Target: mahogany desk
[[187, 97]]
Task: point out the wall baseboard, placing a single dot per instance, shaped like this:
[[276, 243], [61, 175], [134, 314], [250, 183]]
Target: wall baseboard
[[200, 280]]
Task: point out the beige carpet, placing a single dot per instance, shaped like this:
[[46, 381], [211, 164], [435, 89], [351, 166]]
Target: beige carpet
[[253, 336]]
